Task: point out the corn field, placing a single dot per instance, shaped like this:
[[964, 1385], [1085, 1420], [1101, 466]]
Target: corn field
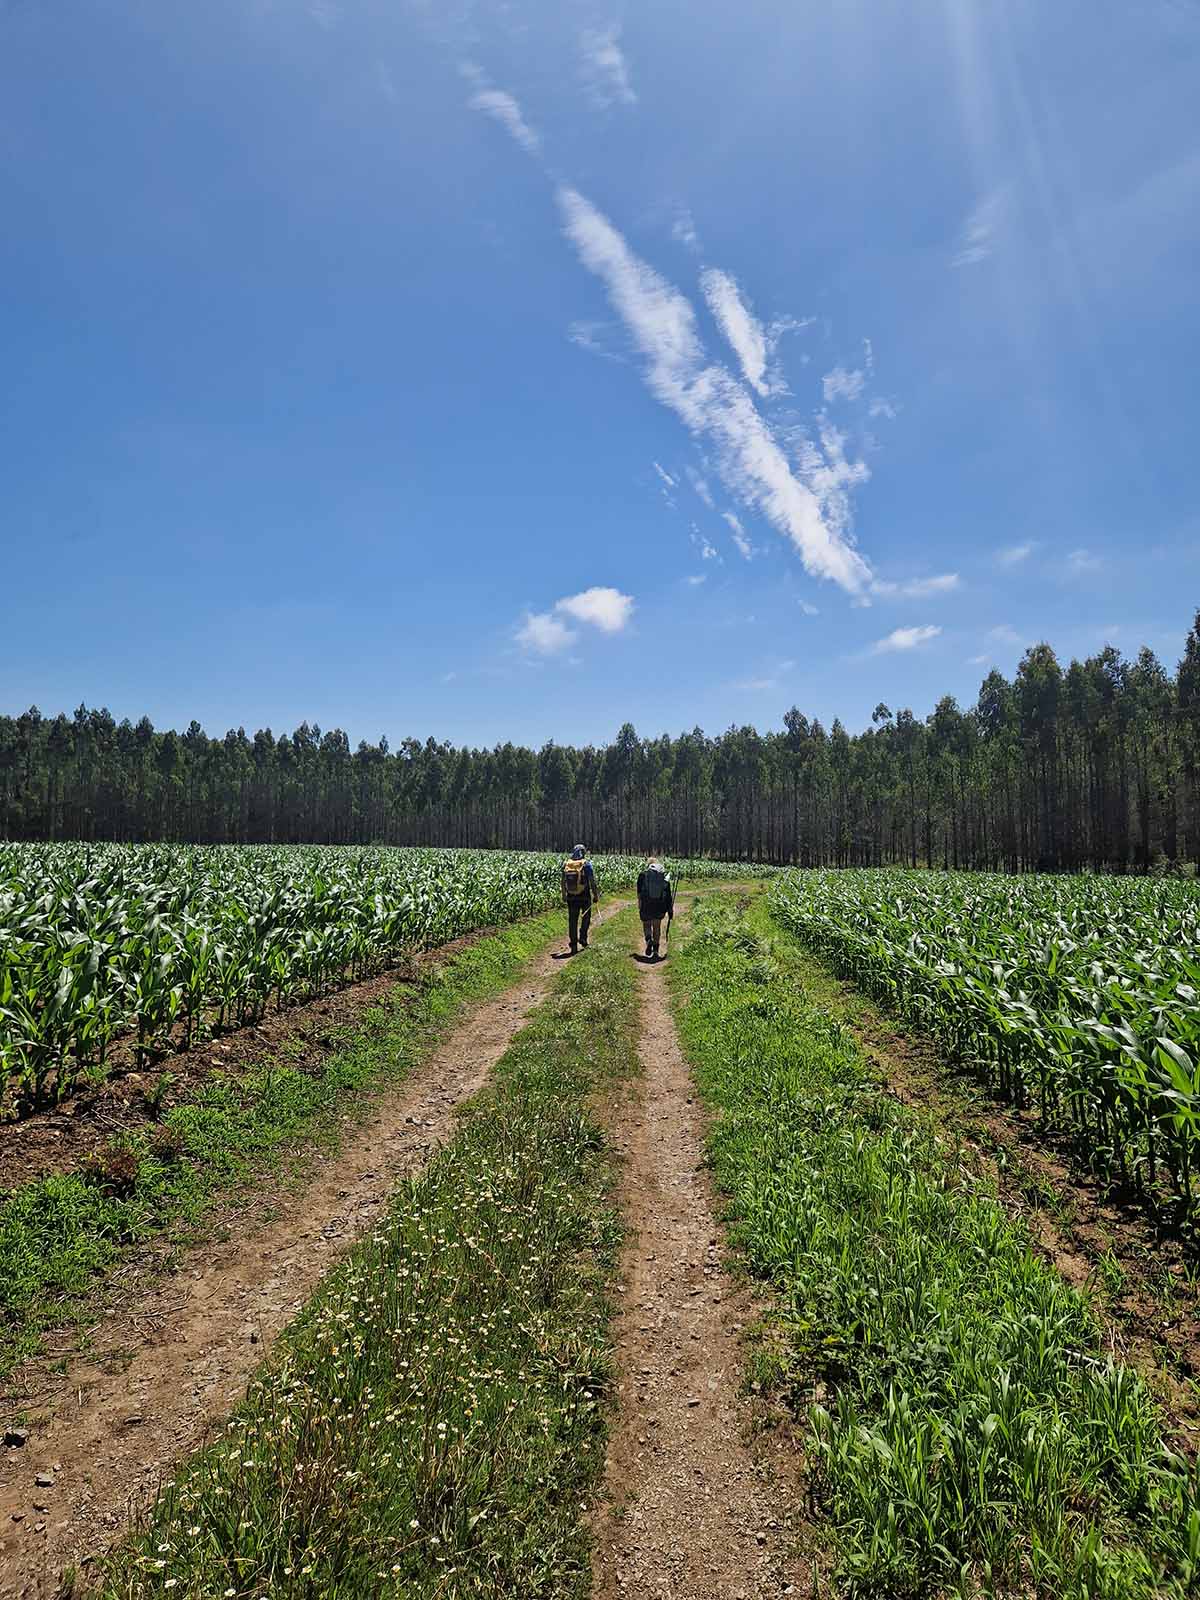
[[1078, 996], [156, 944]]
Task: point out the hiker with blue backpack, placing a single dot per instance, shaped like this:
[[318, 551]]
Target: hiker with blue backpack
[[580, 893], [656, 900]]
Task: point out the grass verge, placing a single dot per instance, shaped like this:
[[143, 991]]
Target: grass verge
[[969, 1434], [59, 1234], [431, 1423]]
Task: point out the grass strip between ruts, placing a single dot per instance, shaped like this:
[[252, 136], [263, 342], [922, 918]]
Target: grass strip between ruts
[[59, 1233], [968, 1434], [431, 1424]]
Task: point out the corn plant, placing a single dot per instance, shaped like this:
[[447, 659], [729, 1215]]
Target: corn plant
[[159, 945], [1078, 996]]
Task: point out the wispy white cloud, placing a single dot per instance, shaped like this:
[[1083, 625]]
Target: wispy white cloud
[[1083, 560], [812, 509], [708, 550], [842, 385], [905, 639], [607, 609], [809, 609], [978, 236], [502, 107], [545, 633], [740, 326], [770, 679], [740, 539], [671, 483], [881, 407], [1002, 635], [700, 485], [696, 578], [587, 335], [683, 228], [917, 588], [605, 70], [1014, 554]]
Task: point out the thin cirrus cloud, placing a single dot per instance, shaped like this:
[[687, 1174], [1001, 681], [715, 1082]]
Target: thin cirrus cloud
[[1014, 555], [737, 322], [917, 588], [1081, 561], [605, 70], [502, 107], [755, 344], [683, 229], [842, 385], [809, 506], [740, 539], [708, 550], [700, 485], [904, 639], [811, 510], [546, 633], [1002, 634], [588, 336], [767, 681], [978, 237]]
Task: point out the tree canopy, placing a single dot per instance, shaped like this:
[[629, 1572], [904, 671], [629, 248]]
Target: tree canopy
[[1095, 766]]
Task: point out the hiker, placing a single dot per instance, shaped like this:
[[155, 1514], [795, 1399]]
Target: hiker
[[655, 901], [580, 892]]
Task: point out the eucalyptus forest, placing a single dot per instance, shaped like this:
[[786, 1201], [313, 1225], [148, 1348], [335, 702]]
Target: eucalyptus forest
[[1096, 764]]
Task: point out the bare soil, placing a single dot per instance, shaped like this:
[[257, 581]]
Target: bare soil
[[694, 1507], [176, 1351], [1141, 1276]]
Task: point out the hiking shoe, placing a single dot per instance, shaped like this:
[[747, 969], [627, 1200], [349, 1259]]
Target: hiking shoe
[[583, 944], [649, 948], [656, 952]]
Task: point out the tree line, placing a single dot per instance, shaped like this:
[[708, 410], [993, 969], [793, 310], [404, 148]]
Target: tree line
[[1095, 765]]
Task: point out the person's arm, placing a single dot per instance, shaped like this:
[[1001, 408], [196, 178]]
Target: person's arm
[[595, 885]]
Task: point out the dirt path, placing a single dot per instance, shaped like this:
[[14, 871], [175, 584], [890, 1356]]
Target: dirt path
[[177, 1357], [691, 1513]]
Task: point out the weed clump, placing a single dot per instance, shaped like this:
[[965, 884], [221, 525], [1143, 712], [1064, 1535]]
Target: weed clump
[[113, 1167]]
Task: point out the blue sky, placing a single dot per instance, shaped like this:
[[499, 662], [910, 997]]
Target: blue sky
[[510, 370]]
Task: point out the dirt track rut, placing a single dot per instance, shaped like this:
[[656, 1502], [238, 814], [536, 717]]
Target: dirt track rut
[[692, 1512], [121, 1420]]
